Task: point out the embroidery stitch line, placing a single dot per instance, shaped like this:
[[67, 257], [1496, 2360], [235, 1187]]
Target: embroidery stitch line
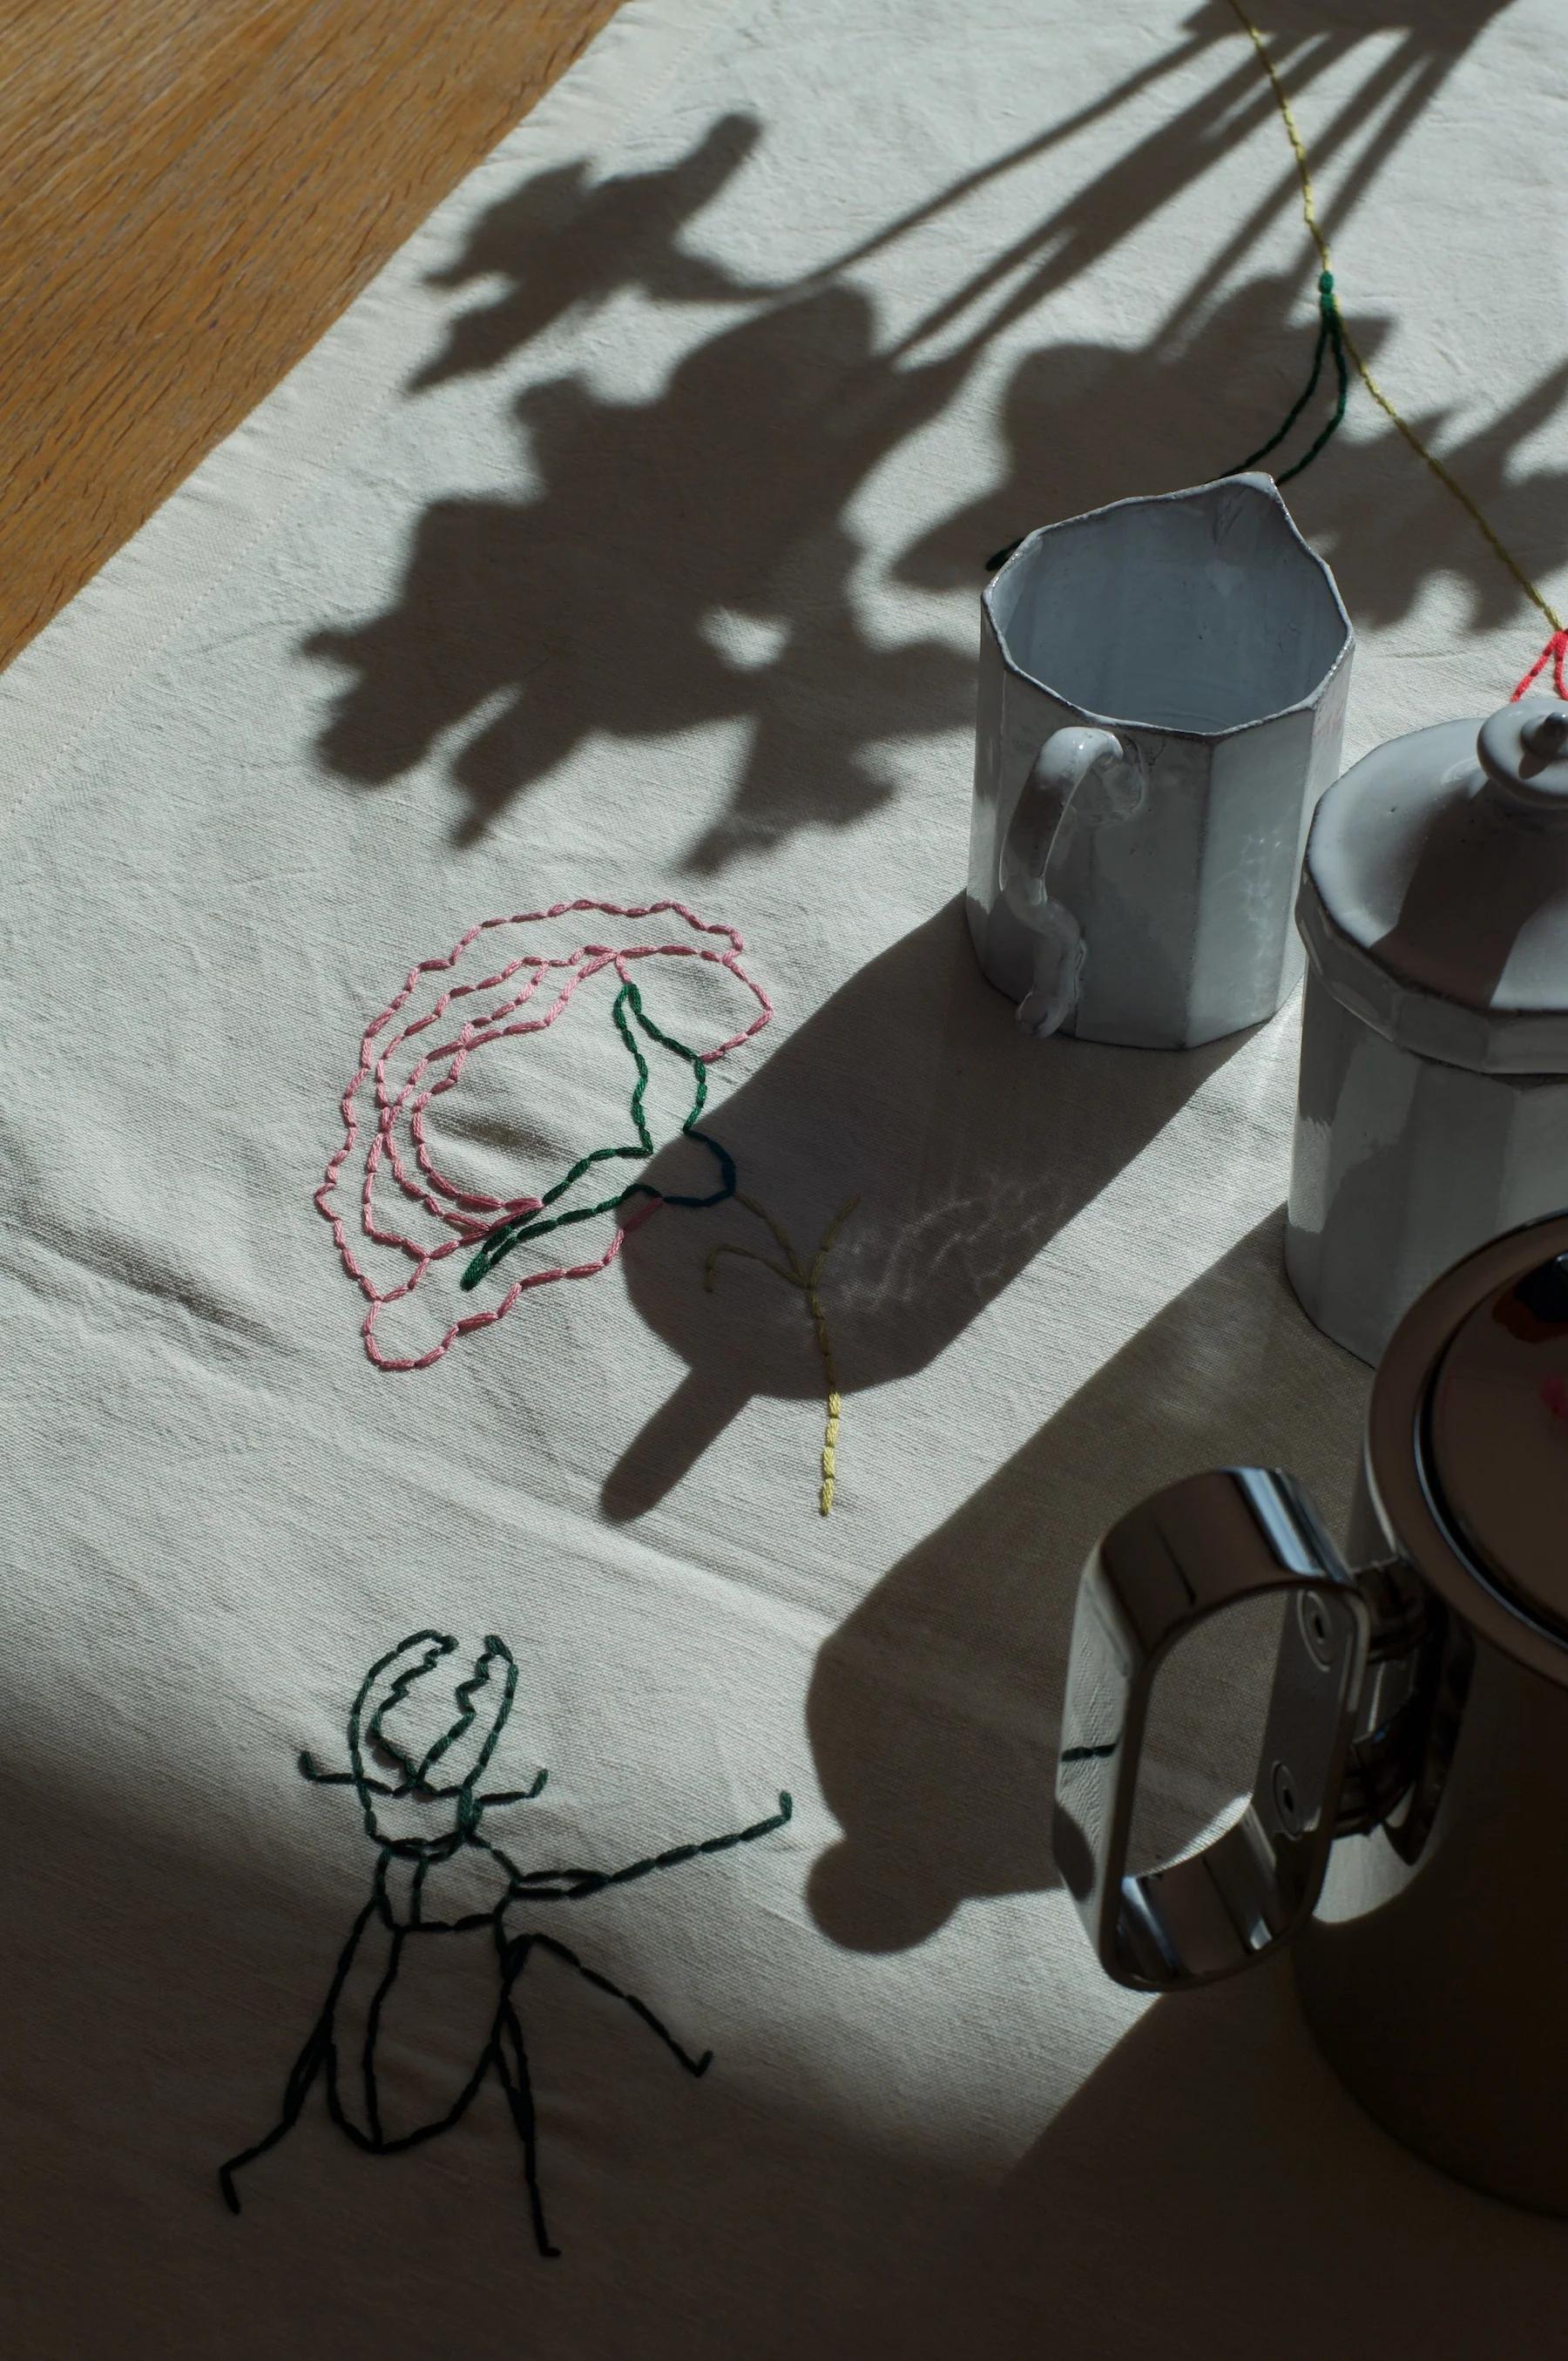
[[504, 2050], [1335, 334], [794, 1273], [511, 1233], [459, 1211], [1558, 644], [1331, 336]]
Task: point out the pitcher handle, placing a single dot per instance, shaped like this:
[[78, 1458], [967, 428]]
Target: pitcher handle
[[1185, 1554], [1053, 793]]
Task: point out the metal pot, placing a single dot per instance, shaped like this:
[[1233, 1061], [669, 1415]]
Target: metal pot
[[1404, 1829]]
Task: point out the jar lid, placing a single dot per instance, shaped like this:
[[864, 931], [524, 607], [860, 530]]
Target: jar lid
[[1434, 893], [1496, 1440]]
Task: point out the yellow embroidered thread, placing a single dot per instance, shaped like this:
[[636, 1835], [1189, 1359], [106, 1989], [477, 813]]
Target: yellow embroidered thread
[[1309, 215], [807, 1278]]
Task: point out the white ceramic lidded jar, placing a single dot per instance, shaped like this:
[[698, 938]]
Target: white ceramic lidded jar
[[1432, 1111]]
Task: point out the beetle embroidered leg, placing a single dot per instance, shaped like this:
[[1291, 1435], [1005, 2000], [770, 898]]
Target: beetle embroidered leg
[[303, 2071], [372, 2028], [508, 2036], [576, 1884], [694, 2066]]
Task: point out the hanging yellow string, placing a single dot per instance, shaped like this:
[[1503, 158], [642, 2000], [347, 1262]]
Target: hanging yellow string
[[808, 1277], [1315, 230]]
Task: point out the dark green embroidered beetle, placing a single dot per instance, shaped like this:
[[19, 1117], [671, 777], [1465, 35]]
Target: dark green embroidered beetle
[[418, 1823]]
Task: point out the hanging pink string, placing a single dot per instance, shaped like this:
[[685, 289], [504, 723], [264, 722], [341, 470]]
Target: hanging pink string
[[1555, 652]]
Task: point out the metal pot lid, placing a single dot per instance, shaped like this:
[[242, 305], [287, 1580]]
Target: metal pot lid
[[1496, 1441], [1434, 895], [1467, 1460]]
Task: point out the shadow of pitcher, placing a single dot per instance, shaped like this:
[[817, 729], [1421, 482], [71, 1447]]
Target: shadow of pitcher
[[965, 1145]]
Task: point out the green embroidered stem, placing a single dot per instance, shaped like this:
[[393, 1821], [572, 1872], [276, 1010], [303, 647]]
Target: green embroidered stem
[[513, 1232], [1330, 339], [794, 1273]]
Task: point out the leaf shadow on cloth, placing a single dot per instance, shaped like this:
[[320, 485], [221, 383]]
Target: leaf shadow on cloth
[[1217, 2148], [933, 1709], [683, 563], [564, 243], [1108, 207], [1080, 427], [688, 558], [969, 1145]]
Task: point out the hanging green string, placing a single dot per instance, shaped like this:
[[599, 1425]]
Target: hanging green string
[[1330, 339], [1334, 336]]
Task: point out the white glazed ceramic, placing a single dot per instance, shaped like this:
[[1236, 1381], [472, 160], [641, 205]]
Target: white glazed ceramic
[[1162, 690], [1432, 1113]]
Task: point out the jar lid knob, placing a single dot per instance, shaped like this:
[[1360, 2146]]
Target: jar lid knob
[[1524, 753], [1546, 734]]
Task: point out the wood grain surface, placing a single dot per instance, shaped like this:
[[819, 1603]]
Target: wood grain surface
[[195, 189]]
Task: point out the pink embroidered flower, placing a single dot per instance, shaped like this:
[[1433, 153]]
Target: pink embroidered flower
[[413, 1214]]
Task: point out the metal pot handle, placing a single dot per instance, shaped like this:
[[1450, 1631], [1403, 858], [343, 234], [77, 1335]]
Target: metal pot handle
[[1189, 1553]]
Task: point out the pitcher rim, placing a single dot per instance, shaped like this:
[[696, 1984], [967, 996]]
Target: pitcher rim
[[1266, 489]]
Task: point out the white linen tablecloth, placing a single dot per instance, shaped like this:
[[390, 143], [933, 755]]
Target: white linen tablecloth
[[623, 543]]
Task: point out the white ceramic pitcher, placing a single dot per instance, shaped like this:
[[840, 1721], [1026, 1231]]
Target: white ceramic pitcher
[[1162, 691]]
